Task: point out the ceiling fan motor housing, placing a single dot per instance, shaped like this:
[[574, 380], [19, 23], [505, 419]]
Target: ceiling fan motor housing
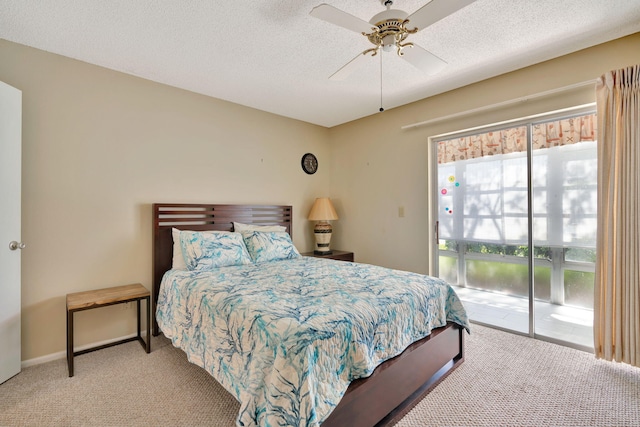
[[389, 15], [389, 29]]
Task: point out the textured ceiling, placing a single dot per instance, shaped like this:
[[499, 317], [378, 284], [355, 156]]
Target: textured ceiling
[[274, 56]]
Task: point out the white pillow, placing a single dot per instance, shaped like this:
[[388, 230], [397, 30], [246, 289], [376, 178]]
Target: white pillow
[[238, 227], [178, 260]]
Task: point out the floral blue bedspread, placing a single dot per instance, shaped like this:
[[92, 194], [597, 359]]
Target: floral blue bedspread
[[287, 337]]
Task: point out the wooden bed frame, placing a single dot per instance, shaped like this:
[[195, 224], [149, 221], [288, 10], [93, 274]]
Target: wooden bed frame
[[395, 386]]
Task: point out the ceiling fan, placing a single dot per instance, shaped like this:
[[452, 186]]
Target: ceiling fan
[[388, 30]]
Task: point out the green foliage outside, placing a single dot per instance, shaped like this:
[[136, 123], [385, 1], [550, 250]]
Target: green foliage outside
[[578, 288], [513, 279], [487, 248]]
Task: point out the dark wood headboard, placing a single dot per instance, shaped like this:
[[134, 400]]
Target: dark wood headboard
[[202, 217]]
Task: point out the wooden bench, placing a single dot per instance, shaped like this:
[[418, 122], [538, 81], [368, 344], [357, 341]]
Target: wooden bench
[[101, 298]]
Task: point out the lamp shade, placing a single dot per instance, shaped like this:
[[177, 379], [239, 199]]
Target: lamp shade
[[322, 210]]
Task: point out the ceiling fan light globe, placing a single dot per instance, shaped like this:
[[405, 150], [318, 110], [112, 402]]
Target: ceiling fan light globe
[[388, 43]]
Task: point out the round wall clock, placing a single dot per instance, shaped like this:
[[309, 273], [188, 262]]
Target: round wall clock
[[309, 163]]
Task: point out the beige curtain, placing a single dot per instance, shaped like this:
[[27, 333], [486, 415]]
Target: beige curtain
[[617, 283]]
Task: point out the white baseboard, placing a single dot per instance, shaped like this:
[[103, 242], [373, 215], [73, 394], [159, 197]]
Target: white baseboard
[[63, 354]]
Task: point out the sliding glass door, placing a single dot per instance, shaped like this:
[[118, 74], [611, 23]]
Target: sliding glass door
[[516, 225], [482, 224], [564, 188]]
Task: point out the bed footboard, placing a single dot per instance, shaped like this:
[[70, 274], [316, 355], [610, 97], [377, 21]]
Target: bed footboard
[[397, 385]]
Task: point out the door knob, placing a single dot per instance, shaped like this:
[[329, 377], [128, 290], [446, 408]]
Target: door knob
[[15, 245]]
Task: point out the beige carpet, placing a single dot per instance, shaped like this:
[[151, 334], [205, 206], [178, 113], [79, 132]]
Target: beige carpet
[[506, 380]]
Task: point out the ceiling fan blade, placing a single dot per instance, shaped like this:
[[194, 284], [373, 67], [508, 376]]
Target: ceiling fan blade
[[350, 67], [343, 19], [422, 59], [434, 11]]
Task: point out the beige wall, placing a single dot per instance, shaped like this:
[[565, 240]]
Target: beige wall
[[99, 147], [377, 167]]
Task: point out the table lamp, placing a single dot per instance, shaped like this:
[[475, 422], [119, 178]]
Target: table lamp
[[322, 211]]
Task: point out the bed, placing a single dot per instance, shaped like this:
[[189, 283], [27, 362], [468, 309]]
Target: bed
[[213, 309]]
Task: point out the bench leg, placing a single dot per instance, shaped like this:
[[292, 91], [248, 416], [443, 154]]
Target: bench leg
[[138, 318], [70, 342], [148, 325], [145, 344]]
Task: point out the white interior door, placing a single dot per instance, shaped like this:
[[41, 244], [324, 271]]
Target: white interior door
[[10, 204]]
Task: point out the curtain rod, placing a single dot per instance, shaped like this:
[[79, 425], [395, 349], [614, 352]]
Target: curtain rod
[[500, 104]]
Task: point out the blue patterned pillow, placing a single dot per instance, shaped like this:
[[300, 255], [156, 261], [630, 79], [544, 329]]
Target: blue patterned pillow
[[269, 246], [206, 251]]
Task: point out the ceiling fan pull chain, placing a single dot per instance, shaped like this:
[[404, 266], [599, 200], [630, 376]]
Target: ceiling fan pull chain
[[381, 109]]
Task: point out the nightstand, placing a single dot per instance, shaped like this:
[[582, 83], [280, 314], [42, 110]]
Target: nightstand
[[339, 255]]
